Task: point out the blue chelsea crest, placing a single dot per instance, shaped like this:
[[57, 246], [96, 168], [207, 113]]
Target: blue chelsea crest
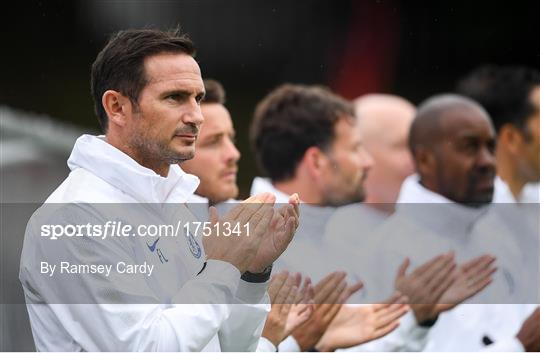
[[194, 246]]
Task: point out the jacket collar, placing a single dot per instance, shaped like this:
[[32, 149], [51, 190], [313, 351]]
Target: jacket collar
[[97, 156], [447, 217]]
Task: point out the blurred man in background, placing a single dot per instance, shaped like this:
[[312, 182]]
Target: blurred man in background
[[453, 144], [383, 122], [216, 159], [511, 96]]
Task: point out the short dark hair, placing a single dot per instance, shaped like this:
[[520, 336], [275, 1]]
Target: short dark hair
[[120, 64], [504, 91], [425, 129], [214, 92], [291, 119]]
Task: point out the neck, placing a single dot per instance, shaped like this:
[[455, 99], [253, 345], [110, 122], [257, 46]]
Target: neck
[[380, 205], [305, 190], [160, 167], [507, 171]]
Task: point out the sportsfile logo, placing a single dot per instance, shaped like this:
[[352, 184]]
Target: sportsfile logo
[[121, 229]]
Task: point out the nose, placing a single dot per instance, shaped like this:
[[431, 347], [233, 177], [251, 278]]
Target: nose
[[232, 153], [193, 114], [486, 158], [368, 161]]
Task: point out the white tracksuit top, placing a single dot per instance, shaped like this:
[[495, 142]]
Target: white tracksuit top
[[100, 173], [421, 230]]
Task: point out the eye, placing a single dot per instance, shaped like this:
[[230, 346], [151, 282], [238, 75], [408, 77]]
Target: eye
[[174, 96], [199, 98]]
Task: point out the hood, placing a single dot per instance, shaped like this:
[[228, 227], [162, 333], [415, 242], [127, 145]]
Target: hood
[[95, 155]]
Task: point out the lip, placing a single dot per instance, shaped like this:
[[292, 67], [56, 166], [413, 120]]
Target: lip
[[485, 184], [229, 174], [187, 137]]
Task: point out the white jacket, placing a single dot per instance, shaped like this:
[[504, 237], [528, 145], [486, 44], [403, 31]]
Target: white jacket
[[134, 313], [421, 230]]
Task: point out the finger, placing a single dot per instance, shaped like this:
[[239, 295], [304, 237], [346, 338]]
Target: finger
[[262, 220], [275, 285], [385, 330], [301, 293], [331, 313], [391, 314], [294, 200], [285, 310], [311, 294], [429, 264], [213, 213], [336, 293], [327, 286], [283, 294], [443, 286], [235, 212], [477, 261], [481, 281], [292, 295], [444, 264], [483, 263], [255, 207], [396, 298], [350, 291], [440, 278], [402, 270]]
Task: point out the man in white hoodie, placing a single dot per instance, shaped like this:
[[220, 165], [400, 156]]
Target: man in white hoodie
[[147, 88], [511, 95], [453, 144]]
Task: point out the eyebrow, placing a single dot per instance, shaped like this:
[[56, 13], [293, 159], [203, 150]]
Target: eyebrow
[[183, 92]]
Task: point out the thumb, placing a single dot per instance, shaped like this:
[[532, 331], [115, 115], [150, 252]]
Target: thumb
[[213, 214], [402, 270]]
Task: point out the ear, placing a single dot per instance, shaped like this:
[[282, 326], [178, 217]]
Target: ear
[[117, 106], [314, 161], [425, 162], [510, 137]]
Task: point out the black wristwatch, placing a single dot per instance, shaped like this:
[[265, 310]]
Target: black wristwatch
[[260, 277]]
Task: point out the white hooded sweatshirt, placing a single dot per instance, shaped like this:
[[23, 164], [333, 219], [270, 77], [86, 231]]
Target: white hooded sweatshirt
[[425, 225], [136, 312]]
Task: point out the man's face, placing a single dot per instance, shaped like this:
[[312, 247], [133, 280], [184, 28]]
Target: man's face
[[165, 124], [386, 142], [528, 154], [347, 167], [216, 159], [464, 158]]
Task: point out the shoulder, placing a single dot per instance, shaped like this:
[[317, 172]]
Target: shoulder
[[85, 187]]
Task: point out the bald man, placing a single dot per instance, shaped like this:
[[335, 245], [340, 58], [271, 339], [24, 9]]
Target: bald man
[[452, 141], [384, 122]]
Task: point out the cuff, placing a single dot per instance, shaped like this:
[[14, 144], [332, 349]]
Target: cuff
[[220, 272], [251, 293], [412, 329], [289, 344], [265, 345]]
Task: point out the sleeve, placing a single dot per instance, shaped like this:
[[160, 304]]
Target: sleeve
[[265, 346], [289, 344], [122, 313], [243, 328]]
